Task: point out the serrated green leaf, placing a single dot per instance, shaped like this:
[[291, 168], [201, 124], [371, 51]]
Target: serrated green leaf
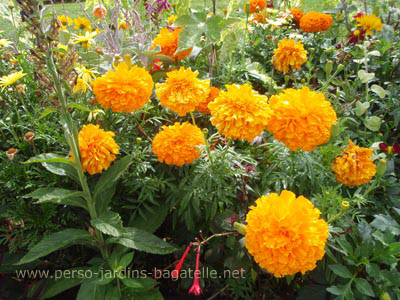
[[55, 242], [364, 287], [109, 223], [58, 196], [142, 240], [385, 222], [157, 217], [48, 157], [341, 271]]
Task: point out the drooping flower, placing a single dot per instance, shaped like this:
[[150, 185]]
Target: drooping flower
[[175, 272], [284, 234], [99, 11], [297, 14], [289, 54], [168, 41], [240, 112], [80, 86], [196, 289], [178, 144], [97, 149], [301, 118], [369, 23], [125, 89], [203, 106], [65, 22], [10, 79], [354, 166], [315, 22], [11, 153], [82, 24], [182, 91], [256, 5]]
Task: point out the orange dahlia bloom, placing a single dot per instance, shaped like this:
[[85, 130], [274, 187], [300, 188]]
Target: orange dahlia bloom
[[369, 23], [256, 5], [315, 22], [124, 89], [297, 14], [99, 11], [97, 147], [240, 112], [178, 144], [203, 106], [289, 54], [260, 17], [182, 91], [168, 41], [284, 234], [301, 118], [354, 166]]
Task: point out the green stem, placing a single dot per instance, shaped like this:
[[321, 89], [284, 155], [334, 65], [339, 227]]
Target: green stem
[[193, 121]]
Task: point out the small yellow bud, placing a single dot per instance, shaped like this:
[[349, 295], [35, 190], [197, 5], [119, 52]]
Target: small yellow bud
[[139, 140], [344, 206]]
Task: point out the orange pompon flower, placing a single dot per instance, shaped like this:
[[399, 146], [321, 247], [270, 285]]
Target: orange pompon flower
[[256, 5], [168, 41], [289, 54], [284, 234], [178, 144], [240, 112], [297, 14], [369, 23], [182, 91], [203, 106], [354, 166], [315, 22], [99, 11], [301, 118], [125, 89], [97, 147], [260, 17]]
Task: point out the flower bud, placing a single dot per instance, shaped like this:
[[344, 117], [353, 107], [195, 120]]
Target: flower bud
[[139, 140], [11, 153], [205, 131], [99, 11], [381, 167], [385, 296], [11, 4], [99, 50], [344, 206], [241, 228], [328, 67], [340, 68], [29, 137]]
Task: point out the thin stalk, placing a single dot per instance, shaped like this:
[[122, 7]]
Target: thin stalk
[[193, 121]]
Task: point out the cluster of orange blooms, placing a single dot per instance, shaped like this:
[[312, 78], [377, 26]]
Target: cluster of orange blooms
[[312, 21], [168, 41]]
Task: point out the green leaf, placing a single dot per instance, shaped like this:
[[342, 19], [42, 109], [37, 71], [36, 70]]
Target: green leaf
[[151, 220], [63, 37], [373, 123], [89, 290], [378, 90], [361, 108], [103, 199], [10, 259], [58, 196], [384, 222], [109, 178], [341, 271], [125, 260], [79, 106], [182, 7], [46, 112], [336, 289], [153, 294], [139, 284], [364, 287], [215, 24], [189, 36], [48, 157], [55, 286], [62, 169], [143, 241], [55, 242], [365, 76], [109, 223]]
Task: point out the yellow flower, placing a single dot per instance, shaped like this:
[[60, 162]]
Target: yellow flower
[[182, 91], [260, 17], [315, 22], [240, 112], [171, 19], [123, 25], [289, 54], [354, 166], [301, 118], [203, 106], [178, 144], [369, 23], [94, 113], [82, 24], [86, 74], [65, 21], [62, 47], [168, 41], [86, 40], [284, 234], [10, 79], [297, 14], [99, 11], [125, 89], [356, 32], [4, 43], [256, 5], [80, 86], [97, 148]]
